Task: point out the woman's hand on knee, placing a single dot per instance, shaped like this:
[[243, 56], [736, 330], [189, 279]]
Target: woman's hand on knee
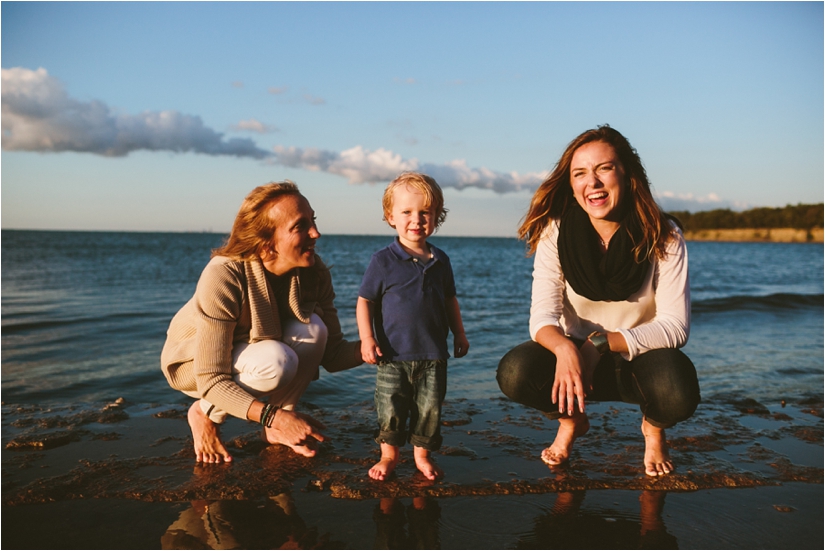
[[569, 384]]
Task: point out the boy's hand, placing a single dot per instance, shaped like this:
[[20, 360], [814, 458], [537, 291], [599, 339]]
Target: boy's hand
[[460, 345], [370, 351]]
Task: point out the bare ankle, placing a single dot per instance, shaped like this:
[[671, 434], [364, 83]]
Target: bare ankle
[[390, 452], [386, 465], [424, 462]]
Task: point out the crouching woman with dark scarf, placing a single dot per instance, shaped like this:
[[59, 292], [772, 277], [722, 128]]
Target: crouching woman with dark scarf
[[610, 303]]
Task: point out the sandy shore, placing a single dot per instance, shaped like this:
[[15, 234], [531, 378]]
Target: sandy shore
[[774, 235], [123, 476]]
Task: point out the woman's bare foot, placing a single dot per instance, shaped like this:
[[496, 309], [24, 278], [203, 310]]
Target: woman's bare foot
[[657, 457], [570, 428], [207, 437], [385, 467], [425, 464]]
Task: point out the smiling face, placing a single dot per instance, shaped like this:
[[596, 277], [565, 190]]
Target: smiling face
[[411, 217], [598, 181], [293, 245]]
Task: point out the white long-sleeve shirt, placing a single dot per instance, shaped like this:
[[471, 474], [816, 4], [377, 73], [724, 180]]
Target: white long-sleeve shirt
[[656, 316]]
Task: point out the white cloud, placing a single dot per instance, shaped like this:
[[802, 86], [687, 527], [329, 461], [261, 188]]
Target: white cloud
[[671, 201], [38, 115], [361, 166], [253, 125]]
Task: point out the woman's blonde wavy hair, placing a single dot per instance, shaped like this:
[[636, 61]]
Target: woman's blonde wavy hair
[[254, 225], [555, 195]]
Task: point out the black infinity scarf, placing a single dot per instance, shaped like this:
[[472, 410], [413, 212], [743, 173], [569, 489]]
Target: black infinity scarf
[[612, 276]]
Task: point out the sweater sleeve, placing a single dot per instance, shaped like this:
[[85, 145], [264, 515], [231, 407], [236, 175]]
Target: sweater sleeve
[[339, 353], [548, 283], [218, 299], [670, 327]]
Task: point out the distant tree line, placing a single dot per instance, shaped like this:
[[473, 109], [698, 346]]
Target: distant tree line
[[792, 216]]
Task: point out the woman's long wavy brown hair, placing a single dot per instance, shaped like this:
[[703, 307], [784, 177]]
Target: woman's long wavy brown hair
[[254, 226], [555, 195]]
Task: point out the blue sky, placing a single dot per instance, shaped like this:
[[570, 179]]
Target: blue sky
[[162, 116]]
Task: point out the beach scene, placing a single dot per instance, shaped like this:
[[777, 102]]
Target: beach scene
[[120, 177]]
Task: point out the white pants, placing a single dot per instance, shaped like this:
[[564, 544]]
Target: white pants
[[277, 371]]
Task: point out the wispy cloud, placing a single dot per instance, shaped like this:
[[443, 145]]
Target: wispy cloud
[[361, 166], [313, 100], [237, 84], [39, 115], [253, 125], [277, 90], [687, 201], [404, 80]]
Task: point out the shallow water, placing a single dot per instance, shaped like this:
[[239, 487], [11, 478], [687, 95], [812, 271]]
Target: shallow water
[[84, 317], [599, 520]]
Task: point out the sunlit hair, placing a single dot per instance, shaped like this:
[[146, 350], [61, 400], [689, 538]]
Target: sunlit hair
[[419, 182], [254, 225], [555, 195]]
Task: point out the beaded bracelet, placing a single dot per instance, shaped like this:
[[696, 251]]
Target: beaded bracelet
[[268, 415], [264, 413]]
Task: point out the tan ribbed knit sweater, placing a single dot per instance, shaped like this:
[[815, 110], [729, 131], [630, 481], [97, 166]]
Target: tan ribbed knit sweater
[[232, 304]]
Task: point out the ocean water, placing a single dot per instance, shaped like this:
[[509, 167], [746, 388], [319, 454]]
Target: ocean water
[[84, 314]]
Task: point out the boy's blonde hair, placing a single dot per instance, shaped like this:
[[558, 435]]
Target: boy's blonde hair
[[419, 182]]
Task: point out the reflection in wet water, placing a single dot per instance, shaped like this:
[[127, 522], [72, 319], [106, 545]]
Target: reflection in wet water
[[275, 524], [568, 526], [415, 526], [270, 524]]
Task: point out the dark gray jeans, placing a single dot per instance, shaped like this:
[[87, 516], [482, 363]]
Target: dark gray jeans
[[663, 382], [413, 389]]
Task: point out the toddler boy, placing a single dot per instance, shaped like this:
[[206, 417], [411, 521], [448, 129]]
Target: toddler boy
[[406, 305]]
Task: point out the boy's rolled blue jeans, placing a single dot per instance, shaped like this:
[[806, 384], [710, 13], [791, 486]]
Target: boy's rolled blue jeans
[[415, 390]]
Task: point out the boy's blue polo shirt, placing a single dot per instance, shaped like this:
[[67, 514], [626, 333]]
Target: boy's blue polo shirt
[[409, 313]]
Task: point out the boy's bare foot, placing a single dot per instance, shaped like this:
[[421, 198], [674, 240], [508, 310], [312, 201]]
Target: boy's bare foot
[[424, 462], [207, 437], [570, 428], [657, 457], [389, 459]]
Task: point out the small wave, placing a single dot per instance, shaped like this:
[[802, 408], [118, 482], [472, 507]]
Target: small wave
[[24, 326], [775, 302]]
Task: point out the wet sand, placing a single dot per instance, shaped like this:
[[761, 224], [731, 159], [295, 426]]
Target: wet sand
[[122, 475]]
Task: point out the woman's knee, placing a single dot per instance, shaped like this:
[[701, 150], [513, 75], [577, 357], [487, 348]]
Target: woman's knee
[[266, 365], [516, 371], [670, 387], [312, 334]]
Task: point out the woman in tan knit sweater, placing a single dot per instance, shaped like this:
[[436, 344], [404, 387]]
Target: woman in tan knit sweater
[[261, 321]]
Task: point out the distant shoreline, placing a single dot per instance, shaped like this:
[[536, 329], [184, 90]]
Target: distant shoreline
[[770, 235], [756, 235]]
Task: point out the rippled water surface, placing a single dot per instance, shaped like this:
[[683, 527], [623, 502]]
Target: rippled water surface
[[84, 314]]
